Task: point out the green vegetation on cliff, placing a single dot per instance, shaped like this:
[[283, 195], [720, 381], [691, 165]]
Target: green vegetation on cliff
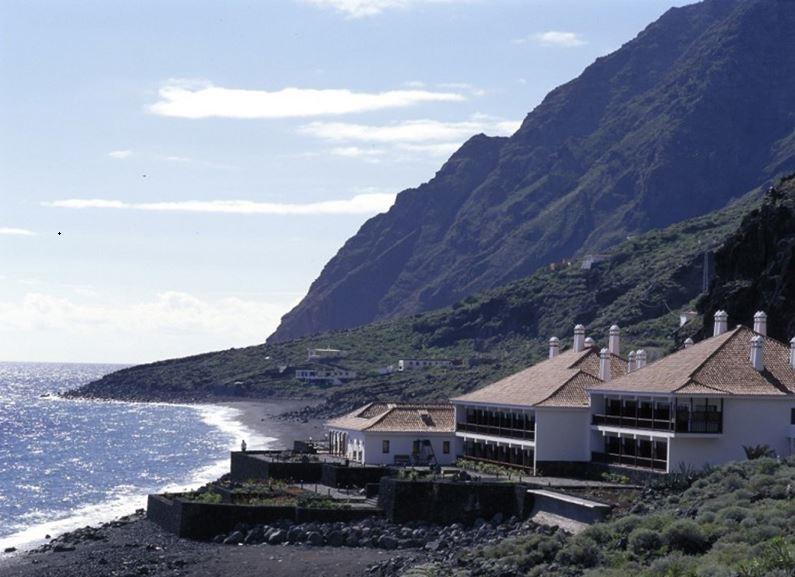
[[642, 286]]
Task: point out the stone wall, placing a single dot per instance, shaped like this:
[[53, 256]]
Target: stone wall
[[250, 465], [447, 502]]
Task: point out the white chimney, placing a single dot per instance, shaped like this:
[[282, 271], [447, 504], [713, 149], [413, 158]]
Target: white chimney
[[579, 338], [590, 343], [760, 323], [792, 353], [614, 340], [721, 323], [554, 347], [757, 358], [631, 361], [689, 342], [640, 359], [604, 365]]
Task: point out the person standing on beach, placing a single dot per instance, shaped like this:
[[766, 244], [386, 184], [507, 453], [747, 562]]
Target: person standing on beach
[[243, 445]]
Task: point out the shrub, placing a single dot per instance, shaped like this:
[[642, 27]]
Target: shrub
[[733, 514], [686, 536], [753, 452], [579, 551], [644, 541]]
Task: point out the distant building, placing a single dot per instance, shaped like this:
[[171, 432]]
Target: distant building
[[395, 434], [324, 354], [335, 375], [592, 259], [414, 364]]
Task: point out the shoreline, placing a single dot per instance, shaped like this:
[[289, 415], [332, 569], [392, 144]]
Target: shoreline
[[256, 421]]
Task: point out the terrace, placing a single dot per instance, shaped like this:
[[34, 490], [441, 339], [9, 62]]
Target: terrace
[[695, 415], [513, 425]]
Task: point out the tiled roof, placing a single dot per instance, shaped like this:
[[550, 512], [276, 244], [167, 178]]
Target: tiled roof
[[558, 382], [399, 418], [719, 365]]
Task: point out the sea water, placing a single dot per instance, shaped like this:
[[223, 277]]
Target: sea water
[[65, 464]]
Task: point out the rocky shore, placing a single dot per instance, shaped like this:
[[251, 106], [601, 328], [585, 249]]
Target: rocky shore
[[134, 547]]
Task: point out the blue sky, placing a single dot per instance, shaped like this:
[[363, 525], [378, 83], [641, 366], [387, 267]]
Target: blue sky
[[203, 160]]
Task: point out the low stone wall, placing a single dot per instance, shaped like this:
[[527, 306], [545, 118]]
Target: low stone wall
[[567, 506], [250, 465], [358, 476], [594, 471], [447, 502], [206, 520]]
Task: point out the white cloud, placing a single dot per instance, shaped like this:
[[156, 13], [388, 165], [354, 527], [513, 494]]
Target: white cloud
[[120, 154], [8, 231], [168, 324], [554, 38], [411, 131], [180, 159], [359, 204], [362, 8], [371, 154], [187, 100]]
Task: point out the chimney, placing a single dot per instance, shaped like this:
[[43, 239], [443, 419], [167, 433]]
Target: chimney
[[631, 361], [554, 347], [689, 342], [579, 338], [604, 365], [757, 360], [590, 343], [760, 323], [721, 323], [640, 359], [792, 353], [614, 340]]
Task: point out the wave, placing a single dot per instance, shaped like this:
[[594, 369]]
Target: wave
[[125, 499]]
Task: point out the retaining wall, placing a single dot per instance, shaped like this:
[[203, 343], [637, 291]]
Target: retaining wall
[[206, 520], [567, 506], [257, 465], [447, 502]]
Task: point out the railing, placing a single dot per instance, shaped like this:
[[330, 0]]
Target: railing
[[498, 462], [707, 422], [630, 461], [498, 431]]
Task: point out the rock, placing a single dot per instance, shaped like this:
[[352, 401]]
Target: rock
[[9, 549], [219, 538], [277, 537], [335, 539], [254, 536], [234, 538], [60, 548], [497, 519], [436, 545], [296, 535], [315, 539], [352, 540], [387, 542]]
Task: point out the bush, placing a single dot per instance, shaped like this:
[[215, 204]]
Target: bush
[[685, 536], [580, 551], [643, 542]]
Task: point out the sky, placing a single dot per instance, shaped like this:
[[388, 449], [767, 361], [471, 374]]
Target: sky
[[174, 174]]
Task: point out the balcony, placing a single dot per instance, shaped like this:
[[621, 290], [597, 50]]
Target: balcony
[[498, 431], [697, 422], [637, 461]]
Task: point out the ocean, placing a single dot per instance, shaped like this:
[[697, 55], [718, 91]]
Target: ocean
[[65, 464]]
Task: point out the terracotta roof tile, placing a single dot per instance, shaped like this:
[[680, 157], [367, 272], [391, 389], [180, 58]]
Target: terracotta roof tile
[[717, 365], [399, 418], [560, 381]]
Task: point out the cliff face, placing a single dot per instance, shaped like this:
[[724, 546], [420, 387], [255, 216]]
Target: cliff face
[[694, 112], [755, 268]]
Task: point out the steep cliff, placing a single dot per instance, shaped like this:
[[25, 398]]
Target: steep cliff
[[692, 113]]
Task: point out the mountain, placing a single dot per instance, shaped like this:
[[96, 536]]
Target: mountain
[[643, 285], [755, 267], [692, 113]]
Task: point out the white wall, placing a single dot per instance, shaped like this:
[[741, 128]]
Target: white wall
[[563, 434], [745, 422], [402, 444]]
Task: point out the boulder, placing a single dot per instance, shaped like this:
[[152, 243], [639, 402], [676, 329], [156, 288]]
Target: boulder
[[234, 538], [315, 539], [277, 537], [387, 542], [335, 538]]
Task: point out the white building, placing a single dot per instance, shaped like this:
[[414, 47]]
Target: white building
[[539, 415], [414, 364], [324, 354], [332, 374], [700, 405], [395, 433]]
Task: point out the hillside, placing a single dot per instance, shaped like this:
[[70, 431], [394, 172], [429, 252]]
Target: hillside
[[692, 113], [641, 286], [755, 268], [736, 520]]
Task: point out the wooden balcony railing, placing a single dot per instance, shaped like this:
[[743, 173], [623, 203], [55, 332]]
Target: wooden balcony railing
[[704, 422], [497, 431]]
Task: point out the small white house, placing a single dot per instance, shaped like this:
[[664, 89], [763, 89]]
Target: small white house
[[395, 434], [700, 405], [415, 364]]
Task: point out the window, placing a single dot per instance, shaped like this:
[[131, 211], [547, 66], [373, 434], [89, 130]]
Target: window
[[446, 446], [385, 446], [792, 416]]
